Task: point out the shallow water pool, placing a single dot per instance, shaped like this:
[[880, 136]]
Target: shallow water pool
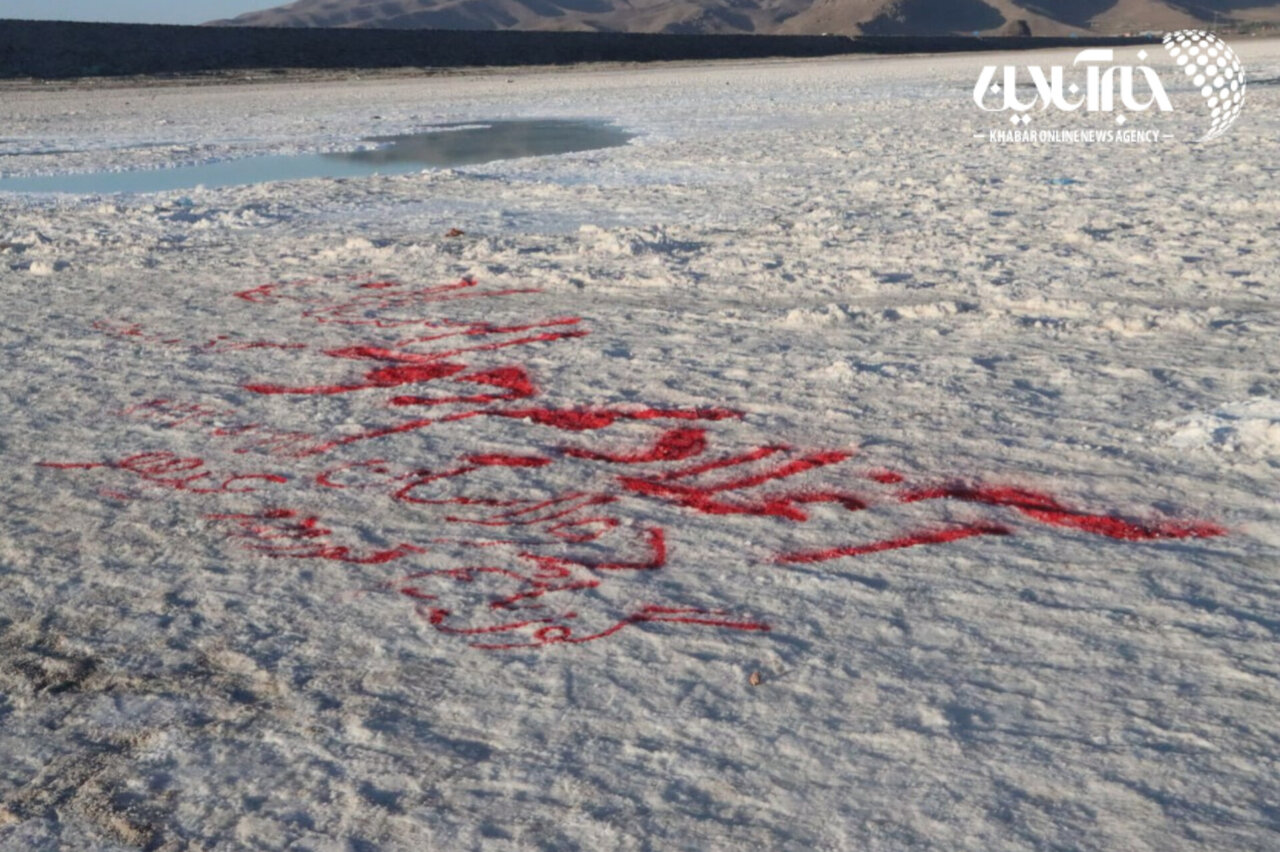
[[440, 146]]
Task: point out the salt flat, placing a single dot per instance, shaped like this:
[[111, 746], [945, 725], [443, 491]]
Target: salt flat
[[806, 474]]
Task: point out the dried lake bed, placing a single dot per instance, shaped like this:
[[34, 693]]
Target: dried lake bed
[[807, 472]]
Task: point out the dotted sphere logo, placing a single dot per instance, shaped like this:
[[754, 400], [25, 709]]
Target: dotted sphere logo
[[1215, 69]]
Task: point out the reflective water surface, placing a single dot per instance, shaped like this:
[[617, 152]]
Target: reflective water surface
[[441, 146]]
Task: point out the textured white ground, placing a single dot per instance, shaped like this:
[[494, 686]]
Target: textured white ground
[[821, 245]]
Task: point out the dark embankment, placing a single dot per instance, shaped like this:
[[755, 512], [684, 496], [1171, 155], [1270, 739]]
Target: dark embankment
[[53, 49]]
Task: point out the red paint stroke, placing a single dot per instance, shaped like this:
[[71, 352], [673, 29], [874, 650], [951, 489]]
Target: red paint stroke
[[849, 502], [917, 539], [503, 460], [382, 432], [673, 445], [338, 553], [165, 469], [378, 353], [758, 454], [405, 493], [584, 530], [514, 379], [285, 534], [226, 488], [1047, 510], [383, 377], [420, 478], [286, 290], [378, 467], [524, 512], [655, 558], [568, 419], [704, 499], [424, 367], [169, 414], [585, 419], [560, 634], [290, 444], [529, 604]]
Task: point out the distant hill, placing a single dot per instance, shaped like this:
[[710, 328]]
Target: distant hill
[[851, 17]]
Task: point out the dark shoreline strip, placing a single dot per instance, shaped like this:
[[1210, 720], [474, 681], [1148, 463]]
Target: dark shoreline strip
[[59, 50]]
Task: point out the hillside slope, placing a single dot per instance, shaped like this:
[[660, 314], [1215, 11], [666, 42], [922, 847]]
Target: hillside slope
[[880, 17]]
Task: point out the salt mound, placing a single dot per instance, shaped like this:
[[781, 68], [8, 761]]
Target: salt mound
[[1251, 427]]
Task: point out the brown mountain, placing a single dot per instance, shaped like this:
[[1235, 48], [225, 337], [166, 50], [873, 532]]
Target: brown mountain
[[873, 17]]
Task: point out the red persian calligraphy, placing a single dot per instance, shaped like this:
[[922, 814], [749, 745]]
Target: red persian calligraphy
[[551, 538]]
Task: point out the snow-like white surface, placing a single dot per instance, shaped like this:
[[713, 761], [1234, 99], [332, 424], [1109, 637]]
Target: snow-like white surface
[[1056, 391], [1252, 427]]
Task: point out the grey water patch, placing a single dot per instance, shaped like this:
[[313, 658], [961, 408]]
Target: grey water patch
[[440, 146]]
